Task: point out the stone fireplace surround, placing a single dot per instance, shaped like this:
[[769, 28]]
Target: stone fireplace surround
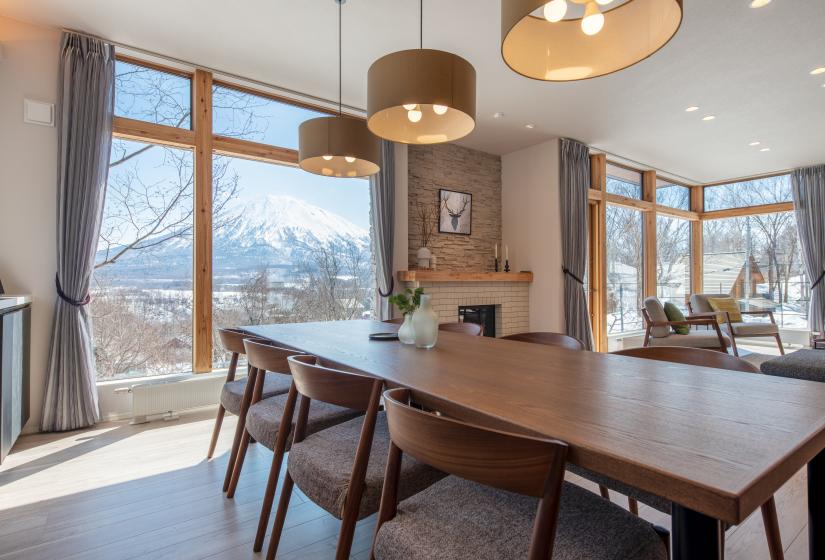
[[508, 292]]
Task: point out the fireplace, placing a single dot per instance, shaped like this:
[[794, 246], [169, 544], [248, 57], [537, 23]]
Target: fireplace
[[484, 315]]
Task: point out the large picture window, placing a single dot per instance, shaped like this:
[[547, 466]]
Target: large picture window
[[755, 192], [625, 270], [673, 260]]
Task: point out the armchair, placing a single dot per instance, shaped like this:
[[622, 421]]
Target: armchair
[[659, 330], [699, 306]]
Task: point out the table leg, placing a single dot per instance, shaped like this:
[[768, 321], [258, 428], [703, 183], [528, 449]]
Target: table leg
[[695, 535], [816, 507]]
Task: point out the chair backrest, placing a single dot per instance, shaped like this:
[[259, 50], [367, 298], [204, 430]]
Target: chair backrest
[[654, 312], [265, 356], [333, 386], [396, 321], [548, 339], [698, 303], [517, 463], [473, 329], [690, 356], [232, 339]]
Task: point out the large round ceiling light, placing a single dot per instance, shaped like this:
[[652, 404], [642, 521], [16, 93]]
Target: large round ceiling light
[[421, 96], [538, 40]]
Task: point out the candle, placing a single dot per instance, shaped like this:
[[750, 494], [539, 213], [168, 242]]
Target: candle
[[495, 248], [506, 252]]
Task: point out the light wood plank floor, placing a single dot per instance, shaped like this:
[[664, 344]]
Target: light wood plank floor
[[118, 492]]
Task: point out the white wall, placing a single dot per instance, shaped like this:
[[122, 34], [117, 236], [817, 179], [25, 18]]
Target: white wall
[[531, 226], [28, 161]]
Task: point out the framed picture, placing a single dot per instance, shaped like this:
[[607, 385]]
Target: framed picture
[[455, 212]]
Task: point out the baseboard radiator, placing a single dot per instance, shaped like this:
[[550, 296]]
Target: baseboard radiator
[[166, 399]]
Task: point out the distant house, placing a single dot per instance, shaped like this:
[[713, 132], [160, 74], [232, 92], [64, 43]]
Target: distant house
[[724, 273]]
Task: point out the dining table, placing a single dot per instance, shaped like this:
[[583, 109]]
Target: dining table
[[716, 443]]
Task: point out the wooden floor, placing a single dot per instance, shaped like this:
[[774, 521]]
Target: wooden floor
[[118, 491]]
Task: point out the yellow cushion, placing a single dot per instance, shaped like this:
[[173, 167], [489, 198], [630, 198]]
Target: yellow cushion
[[726, 304]]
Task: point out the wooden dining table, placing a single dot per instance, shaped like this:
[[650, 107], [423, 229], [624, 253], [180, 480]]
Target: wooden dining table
[[716, 443]]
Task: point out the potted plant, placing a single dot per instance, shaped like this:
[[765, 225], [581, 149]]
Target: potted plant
[[407, 302]]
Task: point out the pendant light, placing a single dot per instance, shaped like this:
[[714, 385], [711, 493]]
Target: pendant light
[[540, 41], [339, 146], [421, 96]]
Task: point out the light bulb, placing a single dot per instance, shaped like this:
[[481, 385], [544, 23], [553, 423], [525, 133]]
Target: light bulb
[[414, 115], [593, 19], [439, 109], [605, 2], [555, 10], [327, 157], [349, 159], [409, 106]]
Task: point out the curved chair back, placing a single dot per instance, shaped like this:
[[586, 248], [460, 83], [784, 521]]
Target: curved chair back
[[547, 338], [396, 321], [473, 329], [232, 339], [265, 356], [690, 356], [333, 386]]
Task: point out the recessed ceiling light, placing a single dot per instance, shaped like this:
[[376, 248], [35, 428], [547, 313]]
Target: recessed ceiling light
[[709, 118], [691, 109], [765, 150], [530, 126], [817, 71], [755, 143], [498, 115], [759, 3]]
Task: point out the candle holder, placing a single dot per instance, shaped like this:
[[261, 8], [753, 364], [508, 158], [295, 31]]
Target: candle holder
[[507, 265], [496, 266]]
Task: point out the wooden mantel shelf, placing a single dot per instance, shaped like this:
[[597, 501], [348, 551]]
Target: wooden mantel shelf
[[448, 276]]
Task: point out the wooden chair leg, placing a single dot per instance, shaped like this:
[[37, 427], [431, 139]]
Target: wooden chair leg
[[216, 431], [236, 471], [779, 343], [252, 378], [633, 506], [771, 523], [389, 494], [604, 492], [733, 344], [280, 517]]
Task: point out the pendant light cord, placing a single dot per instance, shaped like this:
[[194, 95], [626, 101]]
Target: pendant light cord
[[421, 24], [340, 112]]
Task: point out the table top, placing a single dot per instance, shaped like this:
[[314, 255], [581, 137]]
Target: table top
[[716, 441]]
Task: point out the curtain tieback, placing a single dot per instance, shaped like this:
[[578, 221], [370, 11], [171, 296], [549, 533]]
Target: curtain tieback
[[818, 280], [67, 299], [571, 275], [389, 292]]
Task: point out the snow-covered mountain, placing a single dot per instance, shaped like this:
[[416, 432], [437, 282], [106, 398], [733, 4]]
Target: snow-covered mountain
[[272, 234]]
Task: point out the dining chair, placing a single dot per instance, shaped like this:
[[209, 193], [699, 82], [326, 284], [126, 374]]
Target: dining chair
[[506, 497], [473, 329], [341, 468], [717, 360], [548, 339], [271, 421], [236, 393]]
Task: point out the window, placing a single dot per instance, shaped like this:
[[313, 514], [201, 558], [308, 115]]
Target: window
[[288, 246], [670, 194], [151, 95], [623, 181], [142, 286], [767, 190], [625, 269], [243, 115], [757, 260], [673, 260]]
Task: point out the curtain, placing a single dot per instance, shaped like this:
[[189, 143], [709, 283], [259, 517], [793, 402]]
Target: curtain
[[575, 181], [809, 205], [85, 107], [382, 224]]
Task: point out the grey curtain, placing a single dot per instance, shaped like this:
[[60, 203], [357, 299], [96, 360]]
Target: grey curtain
[[85, 107], [382, 224], [575, 181], [809, 204]]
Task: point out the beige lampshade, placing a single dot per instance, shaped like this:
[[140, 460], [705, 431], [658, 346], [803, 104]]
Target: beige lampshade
[[438, 88], [561, 51], [327, 144]]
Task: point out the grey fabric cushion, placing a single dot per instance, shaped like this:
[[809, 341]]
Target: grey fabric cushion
[[321, 466], [457, 519], [696, 339], [699, 302], [657, 314], [232, 392], [754, 328], [264, 418], [803, 364], [657, 502]]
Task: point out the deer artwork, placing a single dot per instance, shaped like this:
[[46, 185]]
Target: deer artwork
[[457, 212]]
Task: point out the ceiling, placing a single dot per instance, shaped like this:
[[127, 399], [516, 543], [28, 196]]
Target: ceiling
[[749, 67]]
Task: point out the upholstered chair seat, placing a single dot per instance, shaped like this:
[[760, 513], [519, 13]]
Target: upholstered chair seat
[[233, 391], [458, 519], [695, 339], [751, 329], [264, 419], [321, 466]]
